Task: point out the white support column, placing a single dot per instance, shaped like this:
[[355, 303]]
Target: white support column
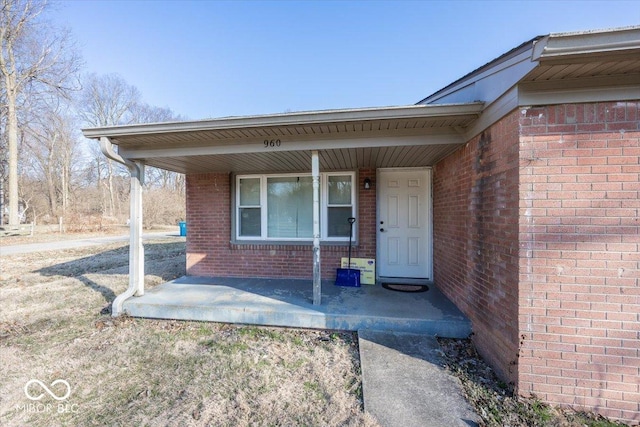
[[136, 249], [315, 173]]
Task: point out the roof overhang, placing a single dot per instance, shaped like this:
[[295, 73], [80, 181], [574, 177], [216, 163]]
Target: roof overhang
[[560, 68], [561, 57], [415, 135], [587, 46], [583, 67]]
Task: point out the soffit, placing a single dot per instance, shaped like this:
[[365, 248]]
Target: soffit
[[345, 139], [294, 126], [301, 133], [300, 161], [620, 66], [605, 53]]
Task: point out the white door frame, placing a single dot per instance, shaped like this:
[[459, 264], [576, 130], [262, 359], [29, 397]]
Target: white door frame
[[429, 210]]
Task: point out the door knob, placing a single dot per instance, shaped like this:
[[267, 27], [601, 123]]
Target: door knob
[[382, 229]]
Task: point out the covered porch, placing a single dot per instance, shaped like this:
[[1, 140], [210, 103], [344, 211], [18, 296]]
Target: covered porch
[[217, 155], [289, 303]]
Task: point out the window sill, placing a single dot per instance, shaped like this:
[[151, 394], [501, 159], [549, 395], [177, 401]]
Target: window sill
[[289, 245]]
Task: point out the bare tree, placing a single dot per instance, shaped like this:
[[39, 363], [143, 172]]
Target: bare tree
[[4, 160], [145, 113], [50, 150], [108, 100], [36, 61]]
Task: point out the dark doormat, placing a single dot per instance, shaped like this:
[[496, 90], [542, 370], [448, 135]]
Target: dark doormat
[[405, 288]]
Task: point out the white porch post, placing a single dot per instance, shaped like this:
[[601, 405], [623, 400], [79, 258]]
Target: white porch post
[[136, 250], [315, 173]]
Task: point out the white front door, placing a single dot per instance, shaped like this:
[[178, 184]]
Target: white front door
[[404, 224]]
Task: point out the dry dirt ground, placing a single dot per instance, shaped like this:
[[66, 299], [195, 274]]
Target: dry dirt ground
[[55, 325]]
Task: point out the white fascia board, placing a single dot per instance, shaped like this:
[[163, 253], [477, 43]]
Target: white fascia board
[[583, 89], [582, 95], [290, 119], [562, 46], [528, 95]]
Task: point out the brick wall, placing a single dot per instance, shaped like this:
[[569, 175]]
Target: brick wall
[[475, 203], [580, 256], [211, 253]]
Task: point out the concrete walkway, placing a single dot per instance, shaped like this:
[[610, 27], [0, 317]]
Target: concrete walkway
[[78, 243], [404, 383]]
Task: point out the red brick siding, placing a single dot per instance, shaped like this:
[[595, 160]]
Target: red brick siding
[[475, 203], [211, 253], [580, 256]]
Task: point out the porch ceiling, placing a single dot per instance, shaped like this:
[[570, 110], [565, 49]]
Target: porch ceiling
[[300, 161], [346, 139]]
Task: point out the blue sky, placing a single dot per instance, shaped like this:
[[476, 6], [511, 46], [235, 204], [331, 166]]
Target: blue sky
[[208, 59]]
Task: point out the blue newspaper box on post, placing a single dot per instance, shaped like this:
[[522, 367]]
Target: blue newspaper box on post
[[183, 228]]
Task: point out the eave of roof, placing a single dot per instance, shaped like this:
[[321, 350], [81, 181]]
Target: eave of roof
[[587, 44], [322, 117]]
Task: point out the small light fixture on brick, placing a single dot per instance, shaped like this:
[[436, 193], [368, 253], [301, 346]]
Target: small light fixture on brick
[[367, 183]]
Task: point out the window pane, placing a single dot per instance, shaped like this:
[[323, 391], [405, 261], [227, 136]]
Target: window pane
[[338, 222], [250, 192], [250, 222], [290, 207], [340, 190]]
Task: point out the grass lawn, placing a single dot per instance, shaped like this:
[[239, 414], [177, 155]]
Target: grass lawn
[[125, 371]]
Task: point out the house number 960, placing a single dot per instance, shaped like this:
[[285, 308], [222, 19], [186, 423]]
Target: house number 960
[[270, 143]]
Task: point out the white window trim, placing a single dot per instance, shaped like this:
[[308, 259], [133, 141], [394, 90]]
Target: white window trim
[[324, 202]]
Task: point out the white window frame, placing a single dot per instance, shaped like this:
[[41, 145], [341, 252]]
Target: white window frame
[[324, 201]]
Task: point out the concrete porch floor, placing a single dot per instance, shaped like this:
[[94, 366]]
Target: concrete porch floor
[[288, 303]]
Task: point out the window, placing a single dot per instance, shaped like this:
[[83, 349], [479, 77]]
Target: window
[[339, 206], [280, 207], [249, 207]]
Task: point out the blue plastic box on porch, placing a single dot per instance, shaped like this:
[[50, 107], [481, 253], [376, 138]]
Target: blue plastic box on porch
[[348, 277], [183, 228]]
